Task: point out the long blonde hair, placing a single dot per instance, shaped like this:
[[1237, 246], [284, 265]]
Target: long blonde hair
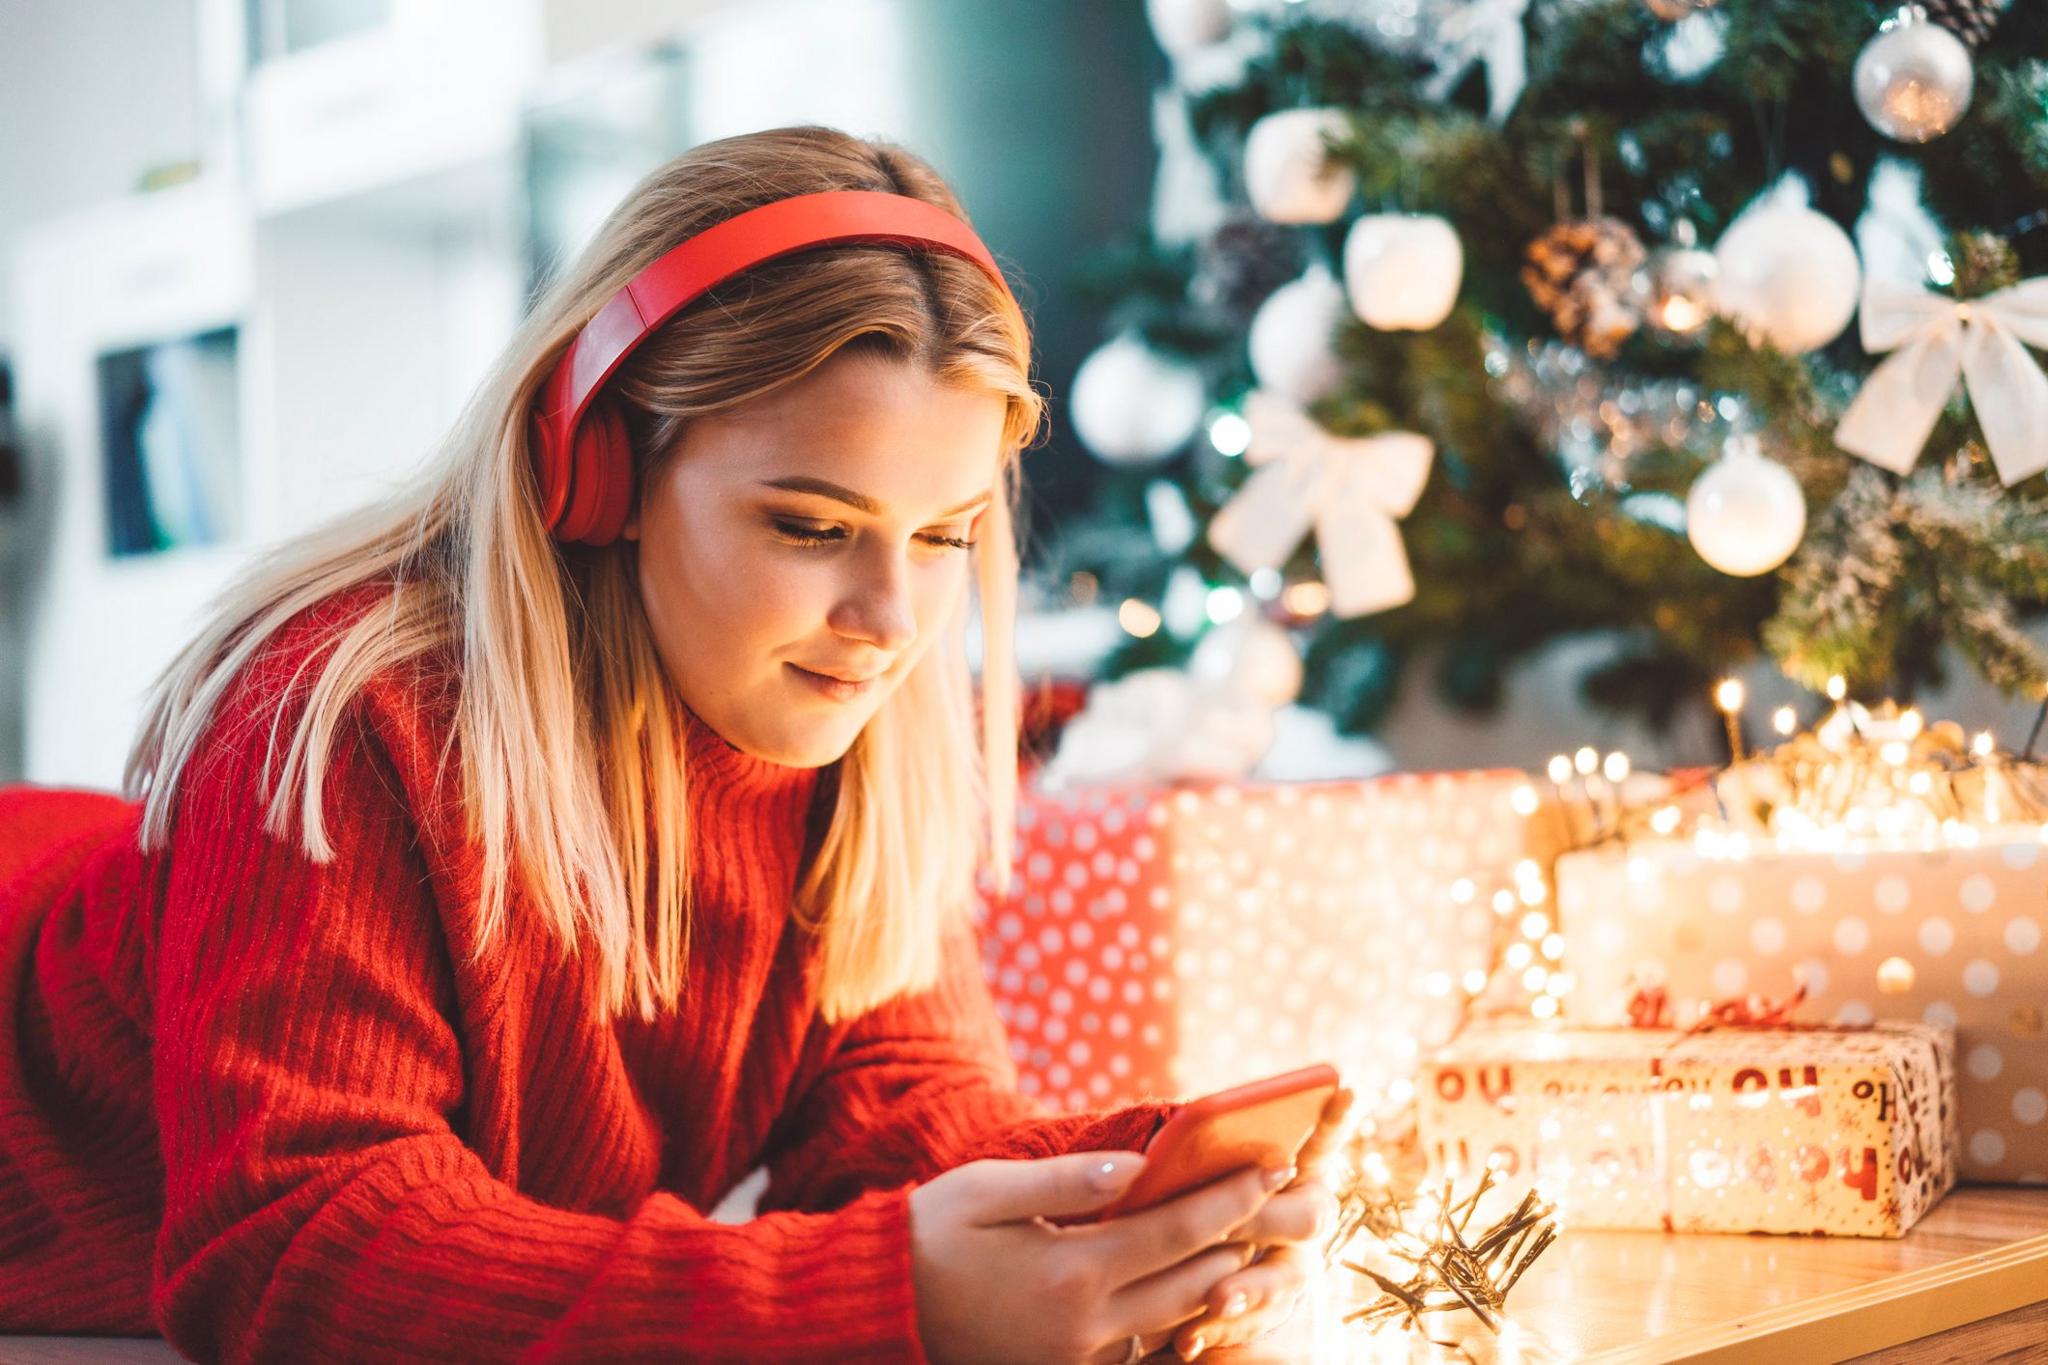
[[568, 731]]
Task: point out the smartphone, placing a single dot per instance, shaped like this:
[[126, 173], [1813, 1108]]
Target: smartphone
[[1264, 1123]]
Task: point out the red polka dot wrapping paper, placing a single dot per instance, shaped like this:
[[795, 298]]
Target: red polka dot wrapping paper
[[1945, 936], [1173, 941], [1847, 1132]]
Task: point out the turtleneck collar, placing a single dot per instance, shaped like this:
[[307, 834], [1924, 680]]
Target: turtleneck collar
[[721, 774]]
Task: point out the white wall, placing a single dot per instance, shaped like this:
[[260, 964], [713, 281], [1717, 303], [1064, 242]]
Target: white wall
[[92, 94]]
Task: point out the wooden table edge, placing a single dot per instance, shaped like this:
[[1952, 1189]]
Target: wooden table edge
[[1865, 1318]]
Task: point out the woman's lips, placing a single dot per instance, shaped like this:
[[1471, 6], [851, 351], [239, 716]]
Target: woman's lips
[[832, 687]]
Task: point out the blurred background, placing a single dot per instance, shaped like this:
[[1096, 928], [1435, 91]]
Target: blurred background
[[255, 253]]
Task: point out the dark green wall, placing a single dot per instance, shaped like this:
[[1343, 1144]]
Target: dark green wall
[[1039, 113]]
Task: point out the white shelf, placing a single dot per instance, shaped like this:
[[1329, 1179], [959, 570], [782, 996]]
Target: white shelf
[[139, 271]]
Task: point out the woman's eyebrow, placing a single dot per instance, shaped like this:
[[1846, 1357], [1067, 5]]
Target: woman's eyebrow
[[824, 488]]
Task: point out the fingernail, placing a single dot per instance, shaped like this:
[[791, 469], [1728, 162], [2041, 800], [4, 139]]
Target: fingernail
[[1236, 1304], [1274, 1177], [1193, 1348], [1115, 1172]]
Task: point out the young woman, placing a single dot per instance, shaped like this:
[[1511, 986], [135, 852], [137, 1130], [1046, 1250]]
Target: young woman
[[516, 866]]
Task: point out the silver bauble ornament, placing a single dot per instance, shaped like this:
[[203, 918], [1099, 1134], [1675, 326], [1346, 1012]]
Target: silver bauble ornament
[[1745, 514], [1133, 406], [1913, 79], [1684, 285]]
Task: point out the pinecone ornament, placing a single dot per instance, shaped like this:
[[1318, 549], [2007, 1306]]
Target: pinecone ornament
[[1243, 261], [1587, 275], [1970, 20]]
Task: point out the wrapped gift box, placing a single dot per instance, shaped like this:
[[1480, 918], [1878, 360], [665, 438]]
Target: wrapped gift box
[[1733, 1130], [1172, 941], [1947, 936]]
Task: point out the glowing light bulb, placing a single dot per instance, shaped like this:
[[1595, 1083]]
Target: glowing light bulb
[[1729, 694], [1983, 745], [1587, 761], [1911, 723], [1665, 820], [1784, 720], [1230, 434], [1524, 800], [1616, 767], [1560, 769], [1838, 687], [1137, 618]]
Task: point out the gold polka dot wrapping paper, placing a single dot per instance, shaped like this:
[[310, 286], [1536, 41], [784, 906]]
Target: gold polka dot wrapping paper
[[1848, 1132], [1948, 936]]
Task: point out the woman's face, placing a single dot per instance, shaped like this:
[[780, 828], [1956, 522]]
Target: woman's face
[[809, 533]]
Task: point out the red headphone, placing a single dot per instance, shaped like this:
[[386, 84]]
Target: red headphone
[[580, 453]]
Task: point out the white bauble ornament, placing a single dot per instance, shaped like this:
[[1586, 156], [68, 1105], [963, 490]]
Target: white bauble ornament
[[1745, 514], [1789, 276], [1252, 655], [1187, 26], [1290, 338], [1913, 80], [1133, 406], [1402, 270], [1288, 174]]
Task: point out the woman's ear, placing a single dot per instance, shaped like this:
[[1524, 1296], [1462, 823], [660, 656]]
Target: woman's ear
[[631, 530]]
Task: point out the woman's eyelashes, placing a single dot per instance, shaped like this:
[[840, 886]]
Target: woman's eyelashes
[[826, 535]]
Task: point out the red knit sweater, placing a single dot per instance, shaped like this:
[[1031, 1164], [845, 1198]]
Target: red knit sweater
[[277, 1109]]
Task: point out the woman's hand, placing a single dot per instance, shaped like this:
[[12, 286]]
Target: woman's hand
[[1287, 1236], [996, 1282]]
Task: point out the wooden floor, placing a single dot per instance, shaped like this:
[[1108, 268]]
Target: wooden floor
[[1969, 1283]]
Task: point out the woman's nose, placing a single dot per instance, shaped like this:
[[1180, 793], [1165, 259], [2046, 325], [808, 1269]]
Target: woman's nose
[[876, 607]]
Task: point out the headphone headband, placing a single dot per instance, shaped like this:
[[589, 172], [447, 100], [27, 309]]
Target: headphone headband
[[585, 478]]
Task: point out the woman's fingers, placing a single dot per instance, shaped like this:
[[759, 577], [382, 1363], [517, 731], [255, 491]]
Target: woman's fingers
[[1327, 1140], [1298, 1213], [1176, 1294], [1247, 1303], [995, 1191], [1146, 1242]]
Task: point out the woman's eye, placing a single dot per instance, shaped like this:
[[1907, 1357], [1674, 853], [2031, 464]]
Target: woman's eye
[[809, 535], [825, 535]]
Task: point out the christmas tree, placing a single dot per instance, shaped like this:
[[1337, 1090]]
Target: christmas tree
[[1496, 321]]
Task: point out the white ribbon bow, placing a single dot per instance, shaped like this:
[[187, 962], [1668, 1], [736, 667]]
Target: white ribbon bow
[[1350, 489], [1489, 31], [1937, 339]]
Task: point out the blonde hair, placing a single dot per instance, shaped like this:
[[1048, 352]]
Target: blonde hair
[[563, 705]]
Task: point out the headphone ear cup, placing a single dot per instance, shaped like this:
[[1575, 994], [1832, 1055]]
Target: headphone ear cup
[[601, 482], [551, 471]]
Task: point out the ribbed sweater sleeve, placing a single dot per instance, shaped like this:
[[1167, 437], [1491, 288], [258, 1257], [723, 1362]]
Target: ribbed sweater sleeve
[[920, 1085], [320, 1204]]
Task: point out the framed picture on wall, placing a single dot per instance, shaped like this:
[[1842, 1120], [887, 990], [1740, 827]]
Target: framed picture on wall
[[170, 438]]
